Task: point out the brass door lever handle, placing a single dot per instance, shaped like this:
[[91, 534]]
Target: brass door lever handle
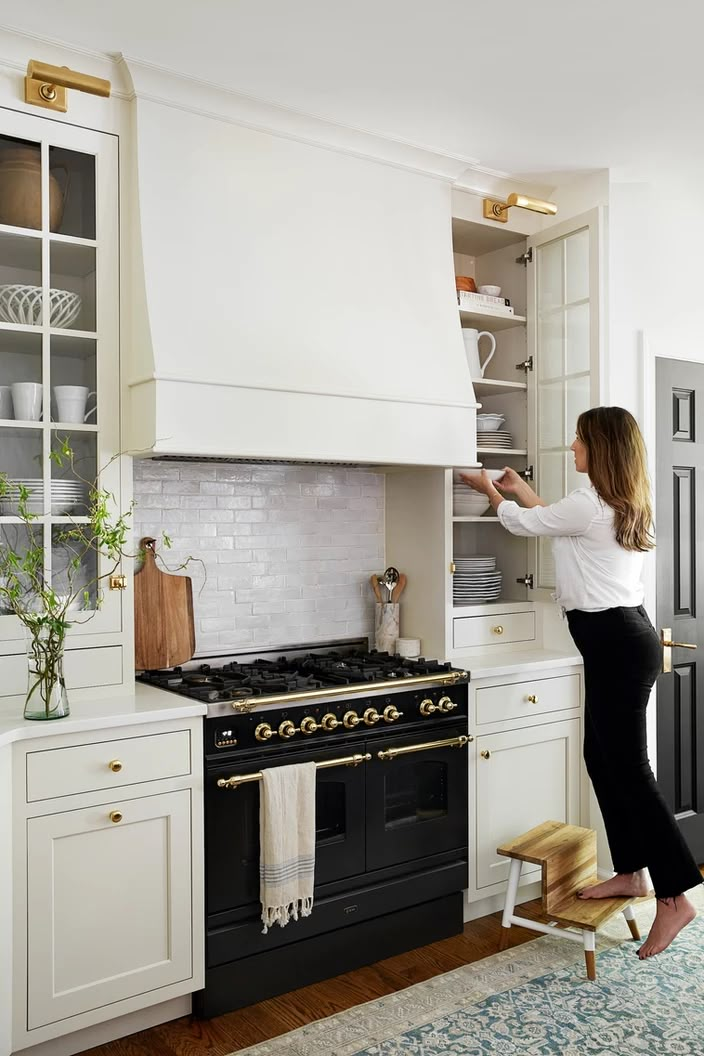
[[668, 645]]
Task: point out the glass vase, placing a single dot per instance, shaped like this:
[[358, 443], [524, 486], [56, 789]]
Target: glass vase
[[46, 691]]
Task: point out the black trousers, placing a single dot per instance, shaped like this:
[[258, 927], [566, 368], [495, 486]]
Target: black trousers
[[622, 658]]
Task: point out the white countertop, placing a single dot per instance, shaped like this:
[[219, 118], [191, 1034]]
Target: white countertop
[[137, 706], [488, 664]]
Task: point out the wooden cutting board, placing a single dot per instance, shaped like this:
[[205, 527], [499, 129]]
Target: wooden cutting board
[[164, 630]]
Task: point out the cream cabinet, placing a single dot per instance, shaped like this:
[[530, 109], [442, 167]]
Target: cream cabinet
[[542, 375], [108, 876], [60, 371], [525, 766]]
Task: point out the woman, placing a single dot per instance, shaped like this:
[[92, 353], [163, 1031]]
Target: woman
[[600, 534]]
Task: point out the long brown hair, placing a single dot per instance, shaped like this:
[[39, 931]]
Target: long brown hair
[[617, 467]]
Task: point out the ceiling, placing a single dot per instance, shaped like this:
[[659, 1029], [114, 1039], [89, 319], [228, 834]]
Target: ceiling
[[523, 88]]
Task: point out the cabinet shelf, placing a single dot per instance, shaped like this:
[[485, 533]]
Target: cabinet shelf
[[478, 520], [502, 451], [16, 423], [495, 387], [491, 320]]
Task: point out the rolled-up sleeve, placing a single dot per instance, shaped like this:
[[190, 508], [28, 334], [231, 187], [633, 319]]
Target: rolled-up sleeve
[[570, 516]]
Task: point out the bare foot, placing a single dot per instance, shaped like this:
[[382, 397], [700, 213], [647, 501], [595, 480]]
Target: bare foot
[[672, 915], [625, 885]]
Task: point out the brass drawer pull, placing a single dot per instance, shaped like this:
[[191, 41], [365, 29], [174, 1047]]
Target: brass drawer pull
[[449, 742], [115, 815], [532, 699], [115, 765], [498, 629], [486, 754]]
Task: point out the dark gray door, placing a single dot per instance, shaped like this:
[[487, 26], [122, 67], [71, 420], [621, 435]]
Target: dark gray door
[[679, 521]]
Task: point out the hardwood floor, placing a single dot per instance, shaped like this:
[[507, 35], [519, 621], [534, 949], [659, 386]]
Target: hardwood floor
[[248, 1026]]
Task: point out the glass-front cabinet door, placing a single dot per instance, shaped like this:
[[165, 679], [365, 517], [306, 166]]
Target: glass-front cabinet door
[[59, 365], [563, 290]]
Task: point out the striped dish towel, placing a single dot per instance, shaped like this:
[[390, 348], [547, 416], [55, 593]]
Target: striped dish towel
[[286, 843]]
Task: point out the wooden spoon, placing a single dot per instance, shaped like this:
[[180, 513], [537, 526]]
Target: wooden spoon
[[399, 588], [374, 580]]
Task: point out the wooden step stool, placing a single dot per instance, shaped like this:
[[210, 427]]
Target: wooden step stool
[[567, 854]]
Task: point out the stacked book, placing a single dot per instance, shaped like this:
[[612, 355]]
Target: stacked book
[[481, 302]]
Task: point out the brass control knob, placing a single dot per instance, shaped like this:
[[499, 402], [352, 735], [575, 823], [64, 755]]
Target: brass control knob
[[446, 704], [287, 730], [371, 717], [115, 765], [115, 815], [309, 725], [264, 732], [427, 707], [329, 722], [350, 719], [391, 713]]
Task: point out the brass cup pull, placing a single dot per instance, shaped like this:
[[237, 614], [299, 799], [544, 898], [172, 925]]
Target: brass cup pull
[[115, 815], [485, 754], [532, 699], [115, 765], [498, 629]]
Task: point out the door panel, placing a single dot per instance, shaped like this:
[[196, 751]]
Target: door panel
[[680, 522]]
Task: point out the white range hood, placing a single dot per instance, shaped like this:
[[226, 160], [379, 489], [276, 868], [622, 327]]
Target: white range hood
[[293, 302]]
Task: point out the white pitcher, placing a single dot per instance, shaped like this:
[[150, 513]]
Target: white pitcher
[[471, 347]]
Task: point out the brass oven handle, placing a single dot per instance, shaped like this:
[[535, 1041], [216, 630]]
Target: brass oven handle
[[246, 779], [448, 742]]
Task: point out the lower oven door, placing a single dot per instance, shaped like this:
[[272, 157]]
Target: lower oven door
[[232, 827], [416, 796]]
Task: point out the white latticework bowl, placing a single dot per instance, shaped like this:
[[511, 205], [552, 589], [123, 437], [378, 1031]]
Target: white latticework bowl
[[23, 304]]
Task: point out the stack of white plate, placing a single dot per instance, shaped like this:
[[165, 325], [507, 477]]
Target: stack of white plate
[[495, 438], [66, 496], [475, 580], [466, 502]]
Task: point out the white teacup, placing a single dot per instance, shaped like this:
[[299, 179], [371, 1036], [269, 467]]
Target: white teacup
[[27, 401], [6, 402], [71, 403]]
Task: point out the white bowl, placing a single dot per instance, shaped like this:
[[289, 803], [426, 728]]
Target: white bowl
[[23, 304], [494, 474], [489, 423], [490, 291]]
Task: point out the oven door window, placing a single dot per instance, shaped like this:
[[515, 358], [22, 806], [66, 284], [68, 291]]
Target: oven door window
[[416, 802]]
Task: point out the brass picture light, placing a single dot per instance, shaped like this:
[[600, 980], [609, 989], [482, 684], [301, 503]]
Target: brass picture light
[[46, 85], [495, 210]]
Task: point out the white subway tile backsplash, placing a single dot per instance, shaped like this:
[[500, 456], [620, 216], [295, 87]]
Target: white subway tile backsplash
[[288, 550]]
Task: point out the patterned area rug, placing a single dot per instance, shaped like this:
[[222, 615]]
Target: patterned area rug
[[533, 1000]]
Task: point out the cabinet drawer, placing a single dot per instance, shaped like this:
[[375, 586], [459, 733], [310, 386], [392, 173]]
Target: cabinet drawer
[[107, 764], [498, 629], [523, 699]]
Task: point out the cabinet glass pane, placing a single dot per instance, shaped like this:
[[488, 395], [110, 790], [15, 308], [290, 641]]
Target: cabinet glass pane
[[550, 345], [73, 379], [72, 479], [577, 266], [20, 365], [73, 286], [20, 183], [73, 566], [577, 339], [20, 279], [72, 181], [18, 538], [551, 481], [550, 422], [577, 399], [550, 276], [21, 462]]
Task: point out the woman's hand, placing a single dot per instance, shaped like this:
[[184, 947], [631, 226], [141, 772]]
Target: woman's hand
[[512, 483], [478, 482]]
